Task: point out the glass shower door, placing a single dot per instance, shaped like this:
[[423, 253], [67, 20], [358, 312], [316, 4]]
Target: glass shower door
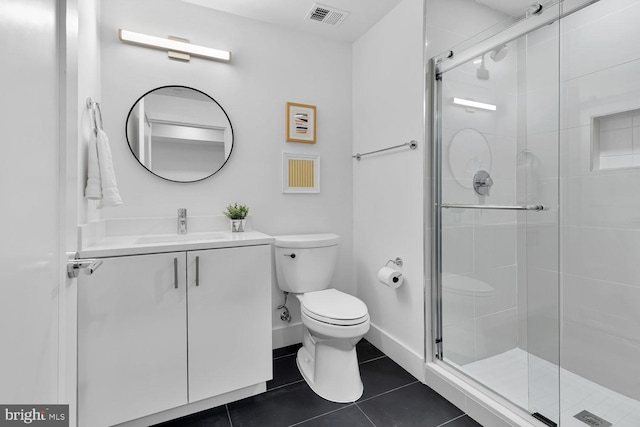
[[497, 215]]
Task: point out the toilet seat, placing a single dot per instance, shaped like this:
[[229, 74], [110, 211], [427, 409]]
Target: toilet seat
[[334, 307]]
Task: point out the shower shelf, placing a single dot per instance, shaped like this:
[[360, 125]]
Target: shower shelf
[[495, 207]]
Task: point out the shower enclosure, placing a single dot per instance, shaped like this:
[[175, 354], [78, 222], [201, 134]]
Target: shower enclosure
[[536, 211]]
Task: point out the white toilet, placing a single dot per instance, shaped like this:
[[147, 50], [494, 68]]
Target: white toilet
[[333, 321]]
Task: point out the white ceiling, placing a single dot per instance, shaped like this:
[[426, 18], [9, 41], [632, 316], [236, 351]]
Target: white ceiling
[[363, 13], [291, 13]]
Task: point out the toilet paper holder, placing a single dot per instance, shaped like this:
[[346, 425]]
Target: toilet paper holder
[[398, 261]]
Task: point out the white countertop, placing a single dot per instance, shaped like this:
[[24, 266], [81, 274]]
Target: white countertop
[[151, 244]]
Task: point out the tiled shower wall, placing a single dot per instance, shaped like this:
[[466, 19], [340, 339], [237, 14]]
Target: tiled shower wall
[[600, 216]]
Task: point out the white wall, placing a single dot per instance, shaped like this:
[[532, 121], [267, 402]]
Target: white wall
[[388, 90], [88, 73], [270, 66]]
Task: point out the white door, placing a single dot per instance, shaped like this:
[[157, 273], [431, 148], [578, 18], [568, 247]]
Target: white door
[[30, 267]]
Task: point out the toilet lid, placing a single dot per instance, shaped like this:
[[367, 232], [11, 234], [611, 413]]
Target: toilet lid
[[334, 307]]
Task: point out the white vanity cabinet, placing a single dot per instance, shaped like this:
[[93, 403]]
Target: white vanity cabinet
[[159, 331]]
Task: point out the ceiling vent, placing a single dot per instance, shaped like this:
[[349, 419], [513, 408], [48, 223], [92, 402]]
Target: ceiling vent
[[327, 14]]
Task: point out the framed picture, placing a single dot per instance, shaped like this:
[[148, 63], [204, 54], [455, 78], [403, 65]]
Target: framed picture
[[301, 123], [300, 173]]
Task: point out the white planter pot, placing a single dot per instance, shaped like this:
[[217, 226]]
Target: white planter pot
[[237, 225]]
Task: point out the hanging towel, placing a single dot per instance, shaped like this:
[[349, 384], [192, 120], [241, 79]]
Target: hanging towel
[[93, 190], [110, 193]]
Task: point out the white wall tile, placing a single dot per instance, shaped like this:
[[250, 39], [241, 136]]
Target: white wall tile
[[594, 36], [636, 140], [457, 250], [494, 246], [608, 91], [496, 333], [619, 371], [616, 142], [602, 200], [616, 121], [616, 162], [575, 154], [602, 253], [502, 280]]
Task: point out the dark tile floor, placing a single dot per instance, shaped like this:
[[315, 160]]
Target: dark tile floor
[[392, 398]]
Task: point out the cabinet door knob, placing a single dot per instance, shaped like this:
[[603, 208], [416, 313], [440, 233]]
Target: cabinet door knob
[[290, 255]]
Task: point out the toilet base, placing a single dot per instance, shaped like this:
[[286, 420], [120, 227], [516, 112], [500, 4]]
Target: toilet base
[[332, 370]]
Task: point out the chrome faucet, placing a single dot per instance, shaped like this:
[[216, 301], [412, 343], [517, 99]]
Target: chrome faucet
[[182, 221]]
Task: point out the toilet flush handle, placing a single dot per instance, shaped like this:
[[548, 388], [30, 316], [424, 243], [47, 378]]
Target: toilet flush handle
[[290, 255]]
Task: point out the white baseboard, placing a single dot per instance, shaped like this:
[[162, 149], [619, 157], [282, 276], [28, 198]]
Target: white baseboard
[[286, 335], [411, 361]]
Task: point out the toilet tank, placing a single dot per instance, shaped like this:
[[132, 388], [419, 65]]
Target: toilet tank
[[305, 262]]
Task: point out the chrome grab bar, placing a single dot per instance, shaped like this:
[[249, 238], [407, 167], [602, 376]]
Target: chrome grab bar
[[495, 207]]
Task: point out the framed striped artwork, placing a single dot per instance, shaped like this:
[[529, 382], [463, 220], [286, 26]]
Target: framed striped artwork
[[300, 173], [301, 123]]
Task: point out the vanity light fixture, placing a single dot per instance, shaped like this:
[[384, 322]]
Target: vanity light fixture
[[177, 48], [474, 104]]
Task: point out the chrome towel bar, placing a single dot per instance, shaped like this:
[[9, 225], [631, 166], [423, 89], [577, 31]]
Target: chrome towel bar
[[495, 207], [413, 144]]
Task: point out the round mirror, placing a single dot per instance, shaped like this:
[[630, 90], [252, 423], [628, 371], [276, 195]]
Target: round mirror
[[179, 133]]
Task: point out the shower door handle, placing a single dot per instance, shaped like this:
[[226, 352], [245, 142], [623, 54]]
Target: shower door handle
[[496, 207]]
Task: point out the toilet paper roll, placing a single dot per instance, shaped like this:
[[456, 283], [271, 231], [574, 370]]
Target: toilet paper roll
[[390, 277]]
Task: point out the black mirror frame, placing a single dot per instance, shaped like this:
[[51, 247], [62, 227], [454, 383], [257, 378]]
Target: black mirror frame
[[126, 132]]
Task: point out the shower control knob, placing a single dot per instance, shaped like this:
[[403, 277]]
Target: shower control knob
[[482, 182], [290, 255]]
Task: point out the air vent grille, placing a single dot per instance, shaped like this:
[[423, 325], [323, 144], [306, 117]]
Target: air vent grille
[[327, 14]]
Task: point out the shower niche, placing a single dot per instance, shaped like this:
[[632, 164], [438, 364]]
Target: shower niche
[[615, 140]]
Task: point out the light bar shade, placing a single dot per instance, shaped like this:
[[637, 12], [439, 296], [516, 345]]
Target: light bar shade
[[173, 45], [474, 104]]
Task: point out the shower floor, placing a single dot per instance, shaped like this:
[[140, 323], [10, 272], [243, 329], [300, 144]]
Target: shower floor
[[508, 373]]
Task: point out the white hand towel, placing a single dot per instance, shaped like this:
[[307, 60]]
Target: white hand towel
[[110, 193], [93, 190]]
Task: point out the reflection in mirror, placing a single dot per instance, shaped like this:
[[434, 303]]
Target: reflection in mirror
[[179, 133]]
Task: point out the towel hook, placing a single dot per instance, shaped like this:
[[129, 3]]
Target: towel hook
[[95, 108]]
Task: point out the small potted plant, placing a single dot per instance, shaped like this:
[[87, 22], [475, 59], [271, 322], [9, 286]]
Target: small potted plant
[[237, 214]]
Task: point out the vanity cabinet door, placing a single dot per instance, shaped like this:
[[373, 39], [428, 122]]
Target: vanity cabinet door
[[229, 319], [132, 358]]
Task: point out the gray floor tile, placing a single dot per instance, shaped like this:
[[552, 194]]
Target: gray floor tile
[[415, 405], [381, 375], [350, 416], [280, 407]]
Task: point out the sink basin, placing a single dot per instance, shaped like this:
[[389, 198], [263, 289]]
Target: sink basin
[[170, 238]]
